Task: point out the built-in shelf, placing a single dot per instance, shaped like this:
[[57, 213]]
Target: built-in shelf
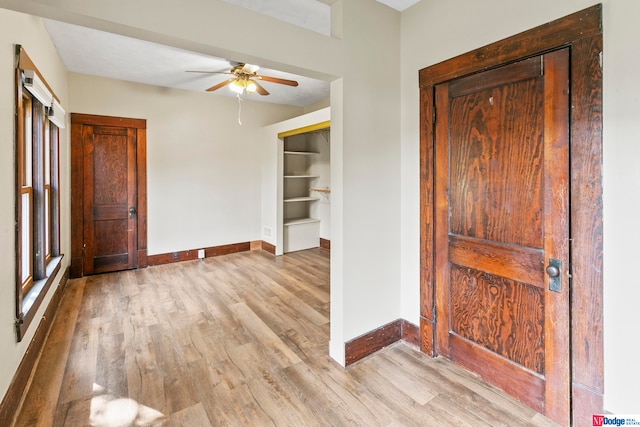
[[301, 199], [301, 153], [302, 169], [297, 221]]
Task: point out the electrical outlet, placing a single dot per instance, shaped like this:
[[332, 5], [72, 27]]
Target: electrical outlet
[[175, 255], [200, 253], [266, 231]]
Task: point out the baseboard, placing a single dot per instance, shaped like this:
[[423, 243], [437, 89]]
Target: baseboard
[[11, 401], [410, 333], [324, 243], [192, 254], [268, 247], [370, 342]]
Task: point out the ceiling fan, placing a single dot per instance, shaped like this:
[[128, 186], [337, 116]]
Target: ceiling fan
[[246, 79]]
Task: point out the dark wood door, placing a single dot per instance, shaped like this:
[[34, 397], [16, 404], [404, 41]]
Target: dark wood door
[[109, 182], [110, 200], [501, 219]]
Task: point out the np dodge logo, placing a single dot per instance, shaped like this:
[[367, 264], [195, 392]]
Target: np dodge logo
[[619, 420]]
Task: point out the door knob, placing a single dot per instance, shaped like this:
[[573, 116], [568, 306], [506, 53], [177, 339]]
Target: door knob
[[132, 211], [553, 271]]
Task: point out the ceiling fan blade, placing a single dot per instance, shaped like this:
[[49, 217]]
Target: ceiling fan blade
[[259, 88], [219, 85], [278, 80]]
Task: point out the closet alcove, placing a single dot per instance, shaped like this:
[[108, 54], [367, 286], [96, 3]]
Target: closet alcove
[[306, 188]]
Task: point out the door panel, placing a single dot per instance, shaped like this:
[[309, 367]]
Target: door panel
[[109, 194], [495, 183], [499, 314], [501, 214]]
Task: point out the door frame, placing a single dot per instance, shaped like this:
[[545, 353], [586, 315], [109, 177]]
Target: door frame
[[76, 269], [582, 32]]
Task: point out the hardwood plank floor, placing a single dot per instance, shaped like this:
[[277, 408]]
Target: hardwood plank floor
[[236, 340]]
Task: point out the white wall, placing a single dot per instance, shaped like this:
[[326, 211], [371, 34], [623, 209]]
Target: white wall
[[365, 165], [336, 339], [203, 167], [621, 205], [435, 30], [31, 34]]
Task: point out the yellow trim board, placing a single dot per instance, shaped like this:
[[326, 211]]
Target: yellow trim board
[[305, 129]]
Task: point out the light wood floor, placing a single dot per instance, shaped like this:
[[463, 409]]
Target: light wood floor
[[237, 340]]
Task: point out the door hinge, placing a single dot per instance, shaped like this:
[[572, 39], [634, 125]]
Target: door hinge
[[434, 115]]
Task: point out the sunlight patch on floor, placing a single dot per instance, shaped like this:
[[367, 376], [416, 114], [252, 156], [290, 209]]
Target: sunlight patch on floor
[[108, 410]]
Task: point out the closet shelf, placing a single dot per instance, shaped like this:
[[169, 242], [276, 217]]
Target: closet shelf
[[301, 176], [301, 153], [297, 221], [301, 199]]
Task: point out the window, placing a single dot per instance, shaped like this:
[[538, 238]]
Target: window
[[38, 200]]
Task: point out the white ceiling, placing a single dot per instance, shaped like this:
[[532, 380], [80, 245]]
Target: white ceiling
[[97, 53], [88, 51], [399, 4]]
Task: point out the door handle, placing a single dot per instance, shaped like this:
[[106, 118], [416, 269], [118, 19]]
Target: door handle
[[555, 278], [132, 211], [553, 271]]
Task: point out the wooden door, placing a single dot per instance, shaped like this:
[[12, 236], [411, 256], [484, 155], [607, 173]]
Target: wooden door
[[108, 163], [110, 200], [502, 228]]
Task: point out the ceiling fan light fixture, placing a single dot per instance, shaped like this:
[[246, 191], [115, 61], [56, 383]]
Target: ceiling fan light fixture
[[236, 86], [245, 79]]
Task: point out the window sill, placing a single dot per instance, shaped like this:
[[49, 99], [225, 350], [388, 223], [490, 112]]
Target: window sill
[[33, 299]]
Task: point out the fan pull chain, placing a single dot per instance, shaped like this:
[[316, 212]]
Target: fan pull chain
[[239, 109]]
